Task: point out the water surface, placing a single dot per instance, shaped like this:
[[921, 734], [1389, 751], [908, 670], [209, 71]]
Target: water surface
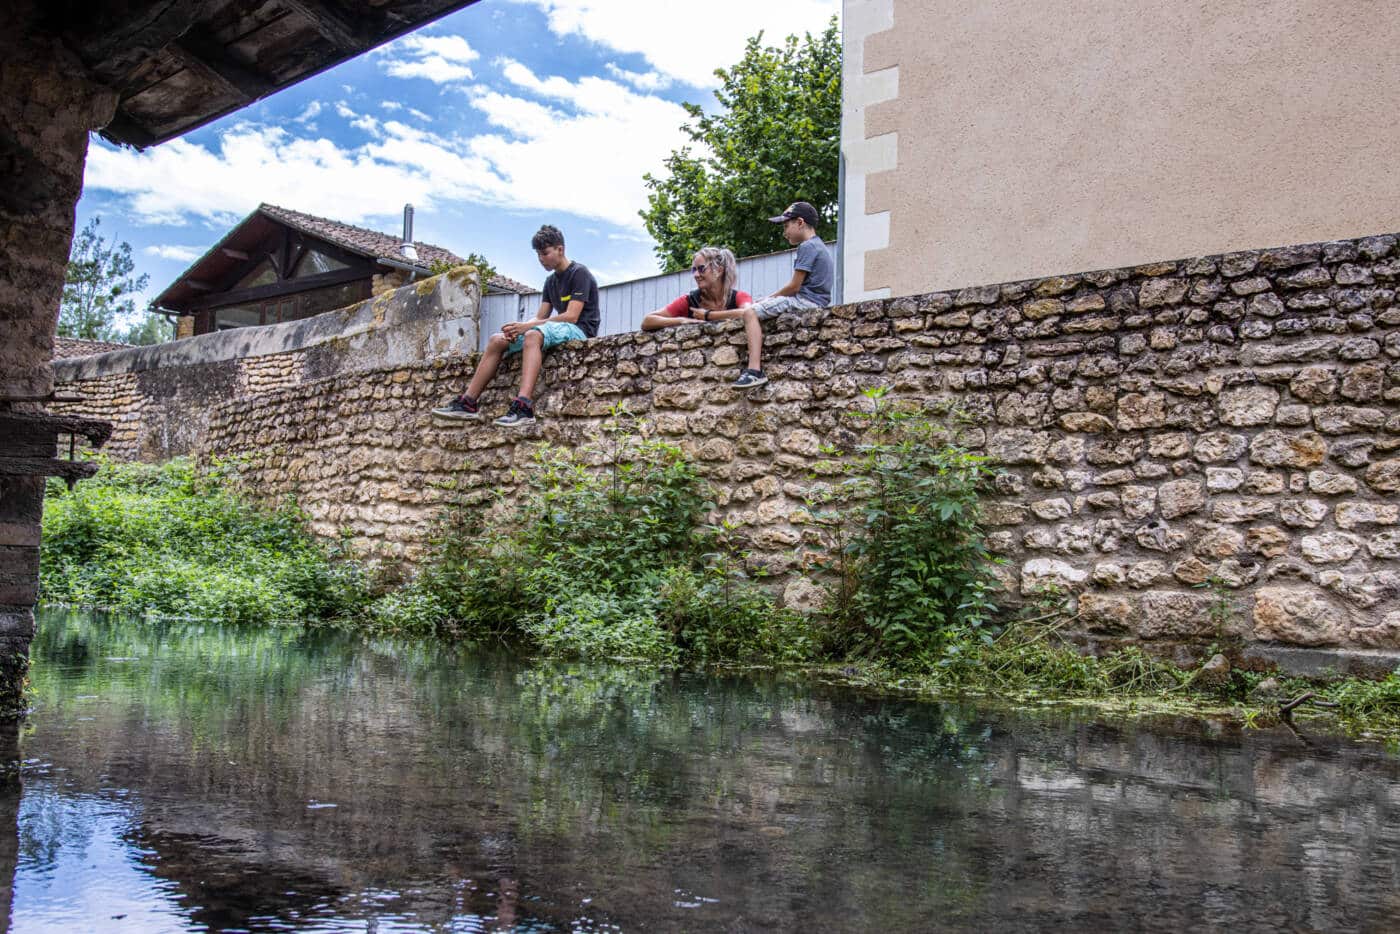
[[191, 778]]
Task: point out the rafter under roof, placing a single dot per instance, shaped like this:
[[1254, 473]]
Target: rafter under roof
[[179, 64]]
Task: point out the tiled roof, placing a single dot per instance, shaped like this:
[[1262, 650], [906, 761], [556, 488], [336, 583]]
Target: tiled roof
[[374, 244], [64, 347]]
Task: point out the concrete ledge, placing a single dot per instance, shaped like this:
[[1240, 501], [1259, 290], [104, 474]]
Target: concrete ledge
[[1322, 663]]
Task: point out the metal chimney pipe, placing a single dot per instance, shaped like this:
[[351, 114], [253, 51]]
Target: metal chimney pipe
[[407, 248]]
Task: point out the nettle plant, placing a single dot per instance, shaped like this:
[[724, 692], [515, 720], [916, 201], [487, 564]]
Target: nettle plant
[[903, 534]]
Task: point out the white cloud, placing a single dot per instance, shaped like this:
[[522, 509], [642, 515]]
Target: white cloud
[[179, 181], [580, 148], [420, 115], [312, 111], [366, 123], [391, 105], [440, 59], [711, 36], [185, 254], [642, 82]]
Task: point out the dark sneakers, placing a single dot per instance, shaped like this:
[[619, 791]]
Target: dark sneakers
[[461, 409], [750, 379], [520, 413]]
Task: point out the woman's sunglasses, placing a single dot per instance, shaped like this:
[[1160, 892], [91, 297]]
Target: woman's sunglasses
[[699, 269]]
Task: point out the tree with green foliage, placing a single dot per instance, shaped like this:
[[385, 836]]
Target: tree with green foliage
[[150, 328], [775, 140], [484, 268], [98, 288]]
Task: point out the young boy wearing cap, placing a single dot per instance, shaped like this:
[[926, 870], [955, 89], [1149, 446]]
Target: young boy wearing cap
[[809, 287]]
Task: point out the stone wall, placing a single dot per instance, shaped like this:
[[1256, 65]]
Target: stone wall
[[1230, 418], [158, 398]]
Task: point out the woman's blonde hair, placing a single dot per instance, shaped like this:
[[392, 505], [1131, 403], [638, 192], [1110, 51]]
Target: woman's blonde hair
[[724, 259]]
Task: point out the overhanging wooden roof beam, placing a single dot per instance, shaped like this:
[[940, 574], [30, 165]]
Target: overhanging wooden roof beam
[[198, 51], [343, 32]]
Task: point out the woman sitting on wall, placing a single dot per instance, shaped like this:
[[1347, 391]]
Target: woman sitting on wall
[[715, 272]]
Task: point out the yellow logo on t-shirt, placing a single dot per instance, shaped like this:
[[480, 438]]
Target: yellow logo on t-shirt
[[565, 298]]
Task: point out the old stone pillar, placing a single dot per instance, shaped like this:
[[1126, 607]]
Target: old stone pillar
[[47, 108]]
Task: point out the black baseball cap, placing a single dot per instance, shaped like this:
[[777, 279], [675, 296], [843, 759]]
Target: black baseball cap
[[797, 209]]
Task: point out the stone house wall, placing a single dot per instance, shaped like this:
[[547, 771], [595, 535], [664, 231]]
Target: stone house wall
[[1230, 419]]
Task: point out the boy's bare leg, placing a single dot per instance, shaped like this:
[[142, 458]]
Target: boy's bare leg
[[531, 359], [753, 330], [490, 362]]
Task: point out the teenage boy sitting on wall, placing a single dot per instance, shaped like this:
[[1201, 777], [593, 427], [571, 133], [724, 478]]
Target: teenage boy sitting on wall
[[571, 296], [809, 287]]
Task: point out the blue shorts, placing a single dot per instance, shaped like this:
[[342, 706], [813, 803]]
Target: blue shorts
[[555, 333]]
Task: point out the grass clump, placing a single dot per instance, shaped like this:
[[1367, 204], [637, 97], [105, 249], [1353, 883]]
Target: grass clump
[[605, 553], [172, 541]]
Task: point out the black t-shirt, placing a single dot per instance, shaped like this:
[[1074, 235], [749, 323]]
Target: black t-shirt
[[730, 304], [575, 284]]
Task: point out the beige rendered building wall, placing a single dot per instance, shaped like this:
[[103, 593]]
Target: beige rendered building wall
[[998, 140]]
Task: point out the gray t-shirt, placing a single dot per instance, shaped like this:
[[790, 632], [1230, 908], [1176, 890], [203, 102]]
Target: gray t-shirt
[[813, 259]]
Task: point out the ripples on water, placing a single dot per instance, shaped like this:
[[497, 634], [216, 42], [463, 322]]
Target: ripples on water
[[199, 778]]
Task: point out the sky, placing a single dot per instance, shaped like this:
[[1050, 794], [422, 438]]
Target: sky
[[491, 121]]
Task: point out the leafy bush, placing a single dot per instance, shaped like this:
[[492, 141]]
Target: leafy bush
[[173, 542], [906, 543], [603, 554]]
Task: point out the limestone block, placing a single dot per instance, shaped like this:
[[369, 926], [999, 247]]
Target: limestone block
[[1329, 547], [1143, 574], [1215, 447], [1223, 479], [1347, 419], [1043, 309], [1180, 497], [1330, 484], [1298, 616], [1241, 510], [1384, 476], [1139, 502], [1105, 613], [1169, 444], [1265, 482], [1018, 446], [1041, 573], [1142, 410], [1219, 542], [1191, 571], [1051, 509], [1158, 536], [1275, 448], [1110, 574], [1307, 513], [1169, 613], [1248, 405], [804, 596], [1350, 515], [1384, 545], [1155, 293], [1314, 384]]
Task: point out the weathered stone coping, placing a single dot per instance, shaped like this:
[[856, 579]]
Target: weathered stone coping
[[420, 320]]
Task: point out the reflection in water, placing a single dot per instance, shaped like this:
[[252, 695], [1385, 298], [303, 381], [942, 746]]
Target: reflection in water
[[207, 778]]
